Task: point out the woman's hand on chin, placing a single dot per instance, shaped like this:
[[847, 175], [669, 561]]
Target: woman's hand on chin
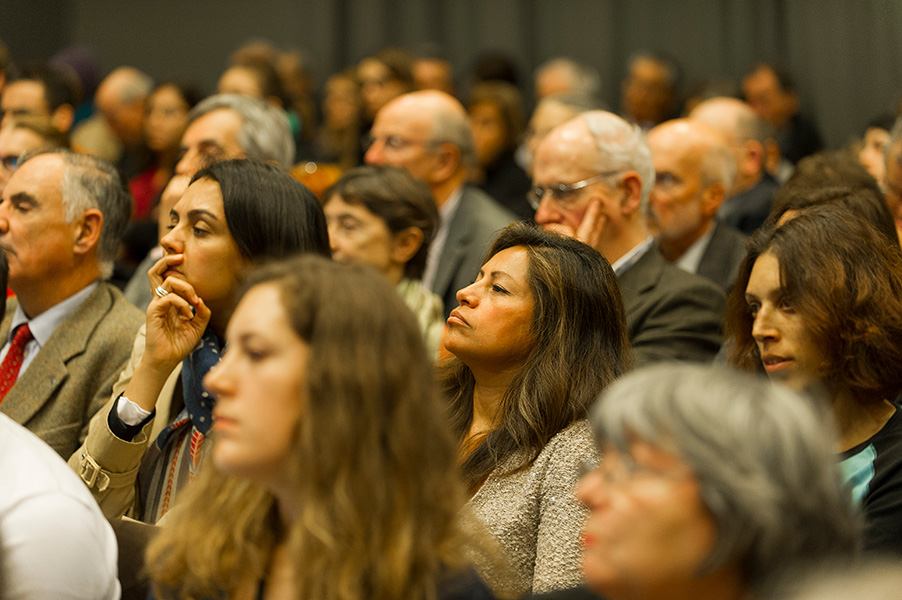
[[176, 320]]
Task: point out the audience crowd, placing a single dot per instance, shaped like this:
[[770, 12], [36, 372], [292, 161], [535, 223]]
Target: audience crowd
[[430, 339]]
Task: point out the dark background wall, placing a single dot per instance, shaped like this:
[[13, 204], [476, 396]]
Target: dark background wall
[[846, 55]]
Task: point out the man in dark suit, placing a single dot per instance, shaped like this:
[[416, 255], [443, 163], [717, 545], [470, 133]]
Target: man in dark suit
[[428, 133], [693, 170], [592, 180], [750, 197], [67, 333]]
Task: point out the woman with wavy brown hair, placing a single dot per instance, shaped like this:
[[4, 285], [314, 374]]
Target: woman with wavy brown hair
[[333, 467], [818, 306], [536, 338]]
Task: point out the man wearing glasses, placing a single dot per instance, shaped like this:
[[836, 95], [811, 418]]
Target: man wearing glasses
[[428, 133], [592, 177]]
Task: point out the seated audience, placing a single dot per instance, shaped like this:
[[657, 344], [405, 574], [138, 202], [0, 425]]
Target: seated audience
[[338, 139], [44, 91], [54, 542], [593, 176], [383, 217], [871, 149], [535, 338], [428, 134], [676, 514], [497, 120], [332, 454], [548, 114], [750, 197], [818, 306], [164, 124], [694, 169], [650, 90], [562, 75], [146, 444], [770, 91], [67, 332], [383, 76], [892, 174]]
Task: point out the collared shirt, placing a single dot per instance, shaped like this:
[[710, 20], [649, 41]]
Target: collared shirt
[[43, 325], [691, 258], [632, 257], [446, 214]]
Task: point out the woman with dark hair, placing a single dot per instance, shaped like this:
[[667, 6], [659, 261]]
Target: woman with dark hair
[[164, 124], [333, 460], [382, 216], [498, 120], [147, 444], [536, 338], [818, 306]]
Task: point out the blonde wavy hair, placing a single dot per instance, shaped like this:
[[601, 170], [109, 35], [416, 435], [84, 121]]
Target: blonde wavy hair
[[374, 462]]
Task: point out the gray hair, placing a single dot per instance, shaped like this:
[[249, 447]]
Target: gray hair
[[584, 79], [265, 133], [579, 103], [763, 457], [621, 147], [749, 126], [454, 128], [91, 182]]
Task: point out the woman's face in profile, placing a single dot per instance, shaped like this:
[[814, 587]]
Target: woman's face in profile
[[492, 327], [199, 234], [648, 528], [356, 235], [789, 353], [258, 386]]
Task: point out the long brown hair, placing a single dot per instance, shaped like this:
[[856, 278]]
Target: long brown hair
[[581, 345], [845, 279], [374, 461]]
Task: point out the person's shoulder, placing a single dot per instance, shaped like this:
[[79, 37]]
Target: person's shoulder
[[122, 313], [485, 207]]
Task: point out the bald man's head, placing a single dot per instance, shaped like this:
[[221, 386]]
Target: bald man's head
[[121, 98], [427, 133]]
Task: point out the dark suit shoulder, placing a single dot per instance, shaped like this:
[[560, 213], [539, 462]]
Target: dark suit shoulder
[[479, 207], [671, 314], [725, 252]]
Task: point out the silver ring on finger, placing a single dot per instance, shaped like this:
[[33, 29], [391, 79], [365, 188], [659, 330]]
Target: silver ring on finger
[[160, 292]]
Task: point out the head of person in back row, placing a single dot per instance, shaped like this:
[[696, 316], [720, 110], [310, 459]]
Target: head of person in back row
[[593, 176], [383, 217], [228, 126], [428, 134], [725, 514], [61, 221], [693, 171], [562, 75], [749, 198], [43, 91], [649, 90]]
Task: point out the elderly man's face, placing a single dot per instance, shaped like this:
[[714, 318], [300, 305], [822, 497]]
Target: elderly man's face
[[566, 157], [208, 139], [403, 139], [678, 211], [38, 242]]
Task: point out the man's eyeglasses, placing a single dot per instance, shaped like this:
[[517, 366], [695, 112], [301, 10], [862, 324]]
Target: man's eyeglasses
[[562, 193], [396, 142]]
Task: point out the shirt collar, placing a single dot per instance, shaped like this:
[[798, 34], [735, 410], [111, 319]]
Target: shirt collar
[[43, 325], [622, 264]]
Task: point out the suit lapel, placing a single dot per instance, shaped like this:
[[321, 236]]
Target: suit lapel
[[640, 278], [47, 372], [459, 234]]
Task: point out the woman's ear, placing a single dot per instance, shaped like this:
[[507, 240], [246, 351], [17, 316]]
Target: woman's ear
[[406, 244]]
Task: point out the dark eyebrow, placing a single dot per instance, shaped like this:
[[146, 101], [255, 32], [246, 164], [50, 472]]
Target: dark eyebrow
[[199, 212], [24, 198]]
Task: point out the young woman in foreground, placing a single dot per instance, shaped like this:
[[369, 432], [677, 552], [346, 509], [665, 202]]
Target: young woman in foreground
[[333, 472]]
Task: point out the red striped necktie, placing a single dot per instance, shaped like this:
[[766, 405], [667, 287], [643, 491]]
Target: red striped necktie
[[12, 363]]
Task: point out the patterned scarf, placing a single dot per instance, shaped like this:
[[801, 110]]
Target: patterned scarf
[[179, 447]]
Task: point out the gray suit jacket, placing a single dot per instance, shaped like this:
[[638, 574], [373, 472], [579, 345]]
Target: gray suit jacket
[[721, 260], [671, 314], [474, 225], [72, 376]]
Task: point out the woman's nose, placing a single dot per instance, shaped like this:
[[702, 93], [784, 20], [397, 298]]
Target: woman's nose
[[466, 296], [762, 326]]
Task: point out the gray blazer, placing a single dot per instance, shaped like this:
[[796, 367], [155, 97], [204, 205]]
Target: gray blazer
[[72, 376], [474, 225]]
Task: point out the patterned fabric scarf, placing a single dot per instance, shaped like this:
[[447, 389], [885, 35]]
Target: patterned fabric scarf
[[179, 447]]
